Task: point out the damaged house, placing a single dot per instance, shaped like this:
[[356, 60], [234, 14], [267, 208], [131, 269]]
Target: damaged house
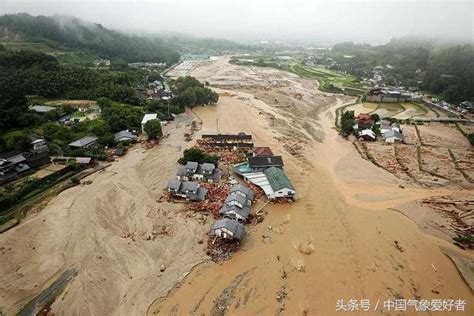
[[195, 171], [228, 229], [188, 190], [237, 205]]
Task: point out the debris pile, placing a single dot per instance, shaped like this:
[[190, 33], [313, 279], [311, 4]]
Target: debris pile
[[461, 213], [217, 193], [220, 250]]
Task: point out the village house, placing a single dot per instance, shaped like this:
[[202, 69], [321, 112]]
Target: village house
[[242, 190], [262, 152], [12, 164], [187, 189], [393, 136], [280, 184], [237, 200], [228, 229], [235, 213], [195, 171], [367, 134], [37, 159], [146, 118], [262, 163], [38, 144], [124, 136], [363, 121], [85, 142]]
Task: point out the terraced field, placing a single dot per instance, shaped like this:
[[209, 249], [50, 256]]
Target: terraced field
[[328, 78], [399, 111]]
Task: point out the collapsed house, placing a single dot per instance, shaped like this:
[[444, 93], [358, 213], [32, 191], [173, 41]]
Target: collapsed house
[[195, 171], [238, 202], [227, 142], [188, 190], [228, 229]]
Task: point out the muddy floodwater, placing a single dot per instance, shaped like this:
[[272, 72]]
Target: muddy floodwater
[[339, 240], [133, 254]]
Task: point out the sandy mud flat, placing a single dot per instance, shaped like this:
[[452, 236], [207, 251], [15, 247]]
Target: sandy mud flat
[[341, 239]]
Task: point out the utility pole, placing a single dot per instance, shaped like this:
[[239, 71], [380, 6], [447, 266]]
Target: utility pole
[[217, 125]]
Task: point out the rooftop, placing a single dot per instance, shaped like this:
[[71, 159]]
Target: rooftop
[[124, 134], [235, 227], [263, 151], [42, 108], [148, 117], [245, 190], [82, 142], [268, 161], [278, 179]]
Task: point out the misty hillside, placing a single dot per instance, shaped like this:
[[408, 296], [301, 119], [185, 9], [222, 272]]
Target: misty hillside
[[188, 43], [67, 32]]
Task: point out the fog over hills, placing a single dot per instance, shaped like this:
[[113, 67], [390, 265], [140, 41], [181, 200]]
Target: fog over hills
[[297, 21]]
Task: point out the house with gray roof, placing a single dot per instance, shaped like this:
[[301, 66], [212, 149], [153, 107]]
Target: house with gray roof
[[260, 163], [228, 229], [125, 135], [237, 200], [393, 136], [85, 142], [187, 189], [235, 213], [195, 171], [242, 190], [42, 108]]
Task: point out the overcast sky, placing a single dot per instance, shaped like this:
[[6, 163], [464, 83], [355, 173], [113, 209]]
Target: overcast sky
[[325, 21]]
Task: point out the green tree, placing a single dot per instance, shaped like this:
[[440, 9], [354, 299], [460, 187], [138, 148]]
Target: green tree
[[347, 122], [17, 140], [471, 138], [153, 129], [197, 155]]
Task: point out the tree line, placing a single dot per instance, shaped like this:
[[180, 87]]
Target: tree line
[[68, 32]]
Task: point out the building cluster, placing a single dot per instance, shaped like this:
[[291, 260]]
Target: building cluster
[[196, 171], [365, 124], [16, 163], [235, 212], [379, 95], [185, 184], [385, 94], [156, 90]]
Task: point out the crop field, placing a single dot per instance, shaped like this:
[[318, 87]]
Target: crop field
[[444, 156], [401, 111], [329, 80]]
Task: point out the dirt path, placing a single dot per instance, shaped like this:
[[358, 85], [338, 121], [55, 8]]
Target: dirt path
[[338, 241], [113, 232]]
